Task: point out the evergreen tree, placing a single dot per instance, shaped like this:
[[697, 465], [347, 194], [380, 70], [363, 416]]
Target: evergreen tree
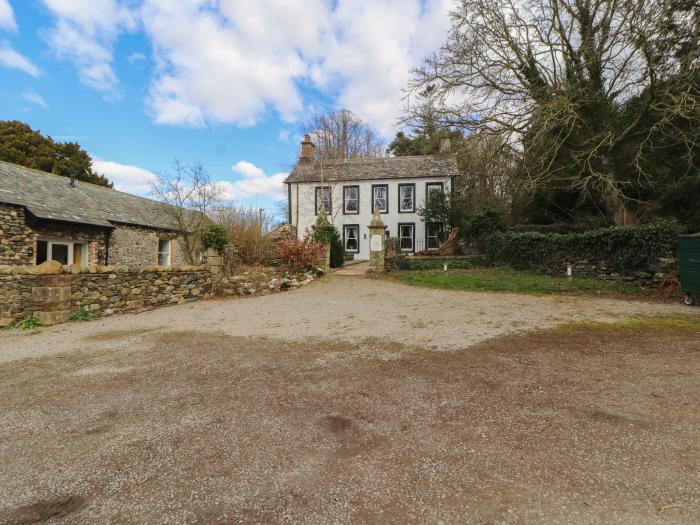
[[22, 145]]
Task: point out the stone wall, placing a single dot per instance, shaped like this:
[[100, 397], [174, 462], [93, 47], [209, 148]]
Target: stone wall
[[134, 245], [102, 290], [16, 238]]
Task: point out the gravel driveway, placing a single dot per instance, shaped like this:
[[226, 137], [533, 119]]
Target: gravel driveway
[[347, 309], [355, 401]]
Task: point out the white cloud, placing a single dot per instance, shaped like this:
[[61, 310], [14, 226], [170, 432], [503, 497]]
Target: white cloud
[[84, 33], [253, 183], [136, 57], [283, 135], [235, 61], [125, 177], [12, 59], [7, 16], [34, 98]]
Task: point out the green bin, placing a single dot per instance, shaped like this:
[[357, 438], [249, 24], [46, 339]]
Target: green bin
[[689, 262]]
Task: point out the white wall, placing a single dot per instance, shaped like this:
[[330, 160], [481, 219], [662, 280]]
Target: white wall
[[302, 208]]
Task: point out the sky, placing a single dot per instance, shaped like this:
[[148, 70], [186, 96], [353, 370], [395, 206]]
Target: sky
[[225, 83]]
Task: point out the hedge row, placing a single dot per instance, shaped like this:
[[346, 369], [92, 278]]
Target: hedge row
[[432, 263], [621, 247]]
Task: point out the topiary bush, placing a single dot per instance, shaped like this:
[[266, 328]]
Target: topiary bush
[[620, 247], [214, 236]]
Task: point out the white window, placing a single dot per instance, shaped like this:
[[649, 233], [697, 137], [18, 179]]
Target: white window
[[380, 198], [323, 198], [351, 234], [432, 234], [351, 200], [65, 252], [163, 252], [406, 236], [407, 198], [430, 187]]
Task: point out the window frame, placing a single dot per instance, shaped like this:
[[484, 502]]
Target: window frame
[[427, 235], [329, 211], [429, 184], [413, 236], [169, 252], [413, 198], [345, 228], [50, 241], [345, 212], [374, 201]]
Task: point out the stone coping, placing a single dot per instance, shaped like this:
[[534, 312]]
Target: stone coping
[[77, 269]]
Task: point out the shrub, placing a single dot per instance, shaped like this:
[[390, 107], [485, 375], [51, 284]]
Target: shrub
[[214, 236], [300, 254], [28, 323], [328, 234], [620, 247], [433, 263], [83, 314], [486, 220]]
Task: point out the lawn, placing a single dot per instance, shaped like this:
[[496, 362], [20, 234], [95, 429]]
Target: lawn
[[509, 280]]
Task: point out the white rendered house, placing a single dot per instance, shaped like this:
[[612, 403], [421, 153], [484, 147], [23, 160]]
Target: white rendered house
[[349, 189]]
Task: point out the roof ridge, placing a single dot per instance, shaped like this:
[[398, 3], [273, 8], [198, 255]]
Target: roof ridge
[[81, 182]]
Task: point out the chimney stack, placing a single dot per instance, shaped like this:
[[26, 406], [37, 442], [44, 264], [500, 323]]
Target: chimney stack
[[307, 151], [445, 145]]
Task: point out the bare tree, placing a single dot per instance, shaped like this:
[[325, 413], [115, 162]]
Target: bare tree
[[550, 78], [487, 168], [190, 196], [341, 134]]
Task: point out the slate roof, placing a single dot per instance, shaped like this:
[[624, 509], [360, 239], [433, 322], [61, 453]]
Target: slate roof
[[429, 166], [51, 197]]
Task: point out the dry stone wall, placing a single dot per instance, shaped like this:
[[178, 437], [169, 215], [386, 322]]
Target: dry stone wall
[[102, 290], [16, 238]]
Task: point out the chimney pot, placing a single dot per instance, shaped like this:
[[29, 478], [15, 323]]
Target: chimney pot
[[307, 151], [445, 145]]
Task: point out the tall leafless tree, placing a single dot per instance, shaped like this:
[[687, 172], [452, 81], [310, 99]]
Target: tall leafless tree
[[189, 196], [550, 76], [341, 134]]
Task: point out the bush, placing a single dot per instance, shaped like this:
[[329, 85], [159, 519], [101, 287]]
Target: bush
[[214, 236], [433, 263], [328, 234], [485, 221], [300, 254], [620, 247]]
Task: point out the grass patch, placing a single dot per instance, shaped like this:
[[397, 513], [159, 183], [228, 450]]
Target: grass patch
[[28, 323], [509, 280], [83, 314], [677, 325]]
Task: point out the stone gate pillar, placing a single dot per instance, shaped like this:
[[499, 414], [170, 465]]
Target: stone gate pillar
[[376, 244], [215, 262]]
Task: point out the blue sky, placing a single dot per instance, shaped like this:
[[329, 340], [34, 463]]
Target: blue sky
[[226, 83]]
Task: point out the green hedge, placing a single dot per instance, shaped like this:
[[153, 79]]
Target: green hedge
[[621, 247], [432, 263]]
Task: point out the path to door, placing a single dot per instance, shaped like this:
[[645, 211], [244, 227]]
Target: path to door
[[357, 269]]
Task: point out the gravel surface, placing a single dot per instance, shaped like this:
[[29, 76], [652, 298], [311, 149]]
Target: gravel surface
[[347, 309], [345, 413]]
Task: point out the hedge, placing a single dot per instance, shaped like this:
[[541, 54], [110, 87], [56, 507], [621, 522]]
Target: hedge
[[432, 263], [620, 247]]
